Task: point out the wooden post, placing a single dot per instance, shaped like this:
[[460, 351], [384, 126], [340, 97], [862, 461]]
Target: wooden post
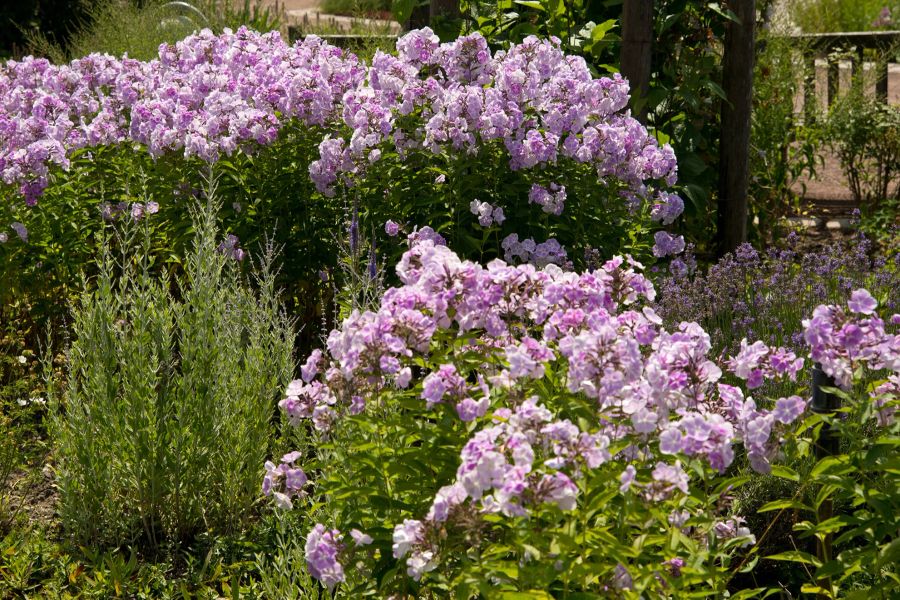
[[869, 79], [635, 56], [800, 82], [419, 17], [821, 83], [442, 13], [734, 142], [845, 77], [893, 83]]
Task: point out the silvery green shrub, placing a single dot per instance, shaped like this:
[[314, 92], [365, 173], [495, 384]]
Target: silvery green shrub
[[167, 413]]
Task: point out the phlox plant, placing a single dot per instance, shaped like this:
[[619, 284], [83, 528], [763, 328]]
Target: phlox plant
[[166, 407], [447, 135], [490, 429], [767, 296], [469, 142], [86, 140]]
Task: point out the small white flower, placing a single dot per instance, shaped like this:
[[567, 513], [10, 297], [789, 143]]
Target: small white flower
[[22, 360], [283, 501]]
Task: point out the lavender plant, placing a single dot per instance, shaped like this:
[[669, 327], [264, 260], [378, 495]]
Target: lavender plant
[[766, 296], [166, 409]]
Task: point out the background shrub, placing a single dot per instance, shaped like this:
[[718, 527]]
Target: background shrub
[[824, 16], [782, 150], [864, 133]]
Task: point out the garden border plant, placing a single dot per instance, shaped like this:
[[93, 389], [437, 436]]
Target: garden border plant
[[167, 400], [478, 426]]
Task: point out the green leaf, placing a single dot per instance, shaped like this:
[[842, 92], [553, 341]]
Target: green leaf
[[751, 564], [832, 465], [785, 473], [890, 554], [599, 32], [796, 556], [532, 4], [784, 503], [691, 164], [529, 595], [402, 9], [831, 568], [716, 89], [809, 588], [752, 593]]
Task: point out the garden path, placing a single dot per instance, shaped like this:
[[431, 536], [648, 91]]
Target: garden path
[[308, 14]]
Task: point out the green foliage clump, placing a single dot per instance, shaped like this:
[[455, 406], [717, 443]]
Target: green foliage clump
[[166, 414], [827, 16], [864, 133], [783, 150], [376, 8], [136, 28]]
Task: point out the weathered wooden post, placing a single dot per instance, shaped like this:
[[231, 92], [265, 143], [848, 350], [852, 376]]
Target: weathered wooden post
[[419, 17], [734, 142], [636, 53], [442, 12], [828, 444]]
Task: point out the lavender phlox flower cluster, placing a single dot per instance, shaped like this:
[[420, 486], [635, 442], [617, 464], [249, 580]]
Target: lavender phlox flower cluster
[[284, 481], [756, 428], [391, 228], [841, 340], [666, 207], [311, 400], [323, 550], [443, 382], [487, 213], [708, 434], [596, 330], [665, 480], [658, 390], [529, 251], [757, 362], [138, 210], [425, 233], [666, 244], [551, 199], [20, 230], [613, 349], [541, 105], [501, 471], [734, 527], [206, 96], [410, 538]]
